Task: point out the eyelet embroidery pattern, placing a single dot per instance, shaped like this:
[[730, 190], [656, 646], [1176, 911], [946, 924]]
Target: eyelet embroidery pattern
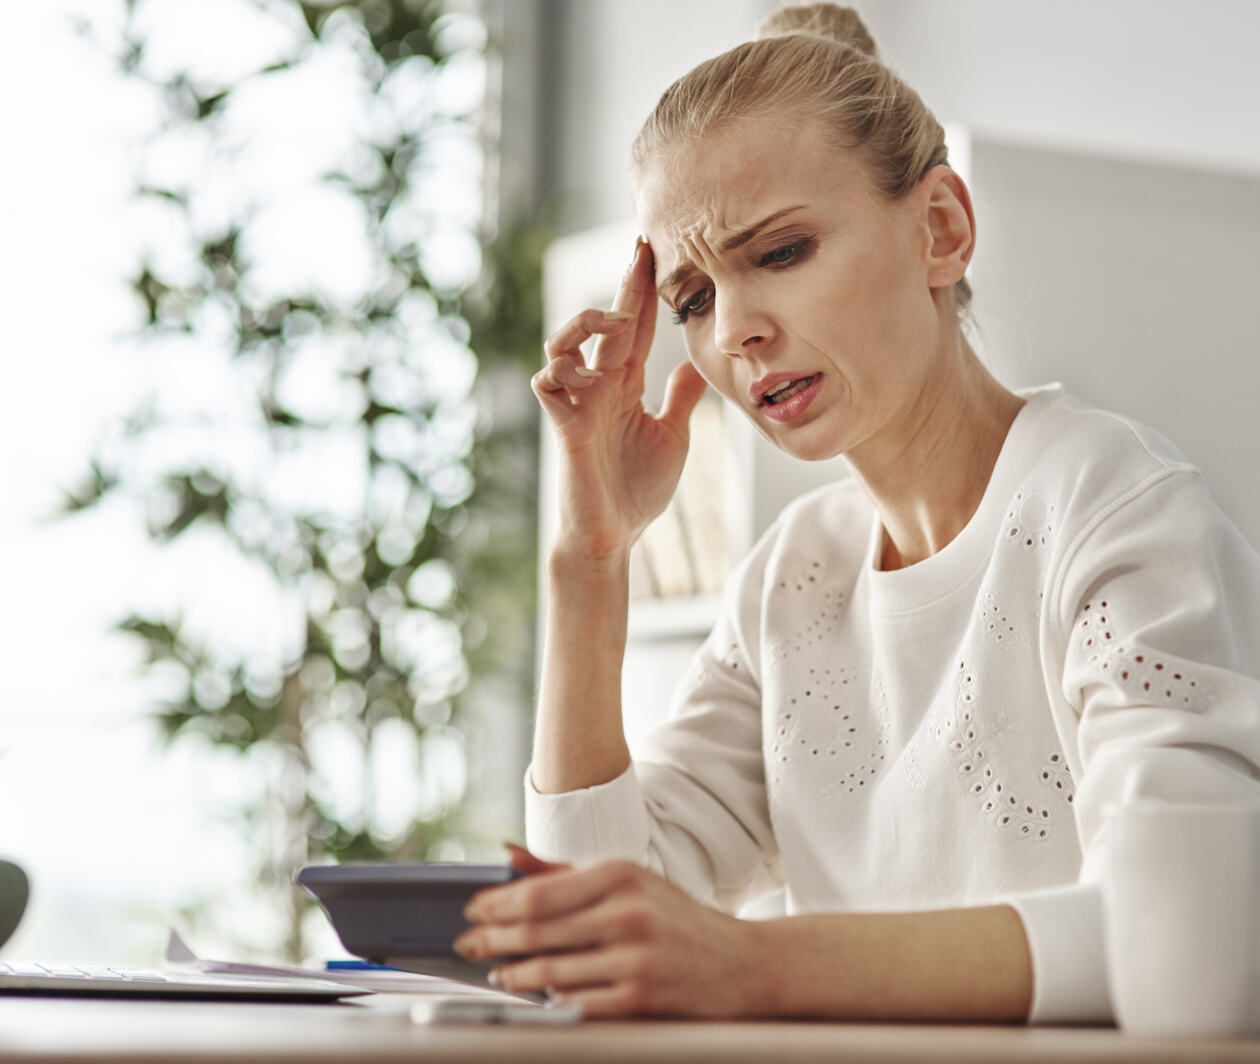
[[1144, 676], [819, 629], [911, 769], [1095, 630], [834, 735], [1056, 774], [1006, 809], [698, 674], [1030, 521], [795, 573], [998, 627], [1148, 678]]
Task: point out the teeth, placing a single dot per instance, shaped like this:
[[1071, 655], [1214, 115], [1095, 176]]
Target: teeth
[[786, 389]]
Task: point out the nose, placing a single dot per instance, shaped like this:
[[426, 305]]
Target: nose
[[740, 324]]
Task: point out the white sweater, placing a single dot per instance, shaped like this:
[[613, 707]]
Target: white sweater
[[953, 733]]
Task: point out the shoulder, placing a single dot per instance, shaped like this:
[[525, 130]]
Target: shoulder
[[1128, 504], [833, 522], [1087, 460], [827, 529]]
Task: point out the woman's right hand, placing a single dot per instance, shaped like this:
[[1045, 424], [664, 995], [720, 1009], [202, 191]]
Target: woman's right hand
[[619, 464]]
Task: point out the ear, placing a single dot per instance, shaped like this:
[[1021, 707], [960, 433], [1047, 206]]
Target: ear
[[951, 226]]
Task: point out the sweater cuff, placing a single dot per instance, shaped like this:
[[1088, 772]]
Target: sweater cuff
[[599, 823], [1064, 926]]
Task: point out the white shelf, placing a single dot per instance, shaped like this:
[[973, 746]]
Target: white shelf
[[673, 619]]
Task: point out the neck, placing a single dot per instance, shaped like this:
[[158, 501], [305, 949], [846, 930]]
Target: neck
[[927, 473]]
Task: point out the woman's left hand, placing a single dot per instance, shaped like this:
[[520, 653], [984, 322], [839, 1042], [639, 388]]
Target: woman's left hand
[[616, 939]]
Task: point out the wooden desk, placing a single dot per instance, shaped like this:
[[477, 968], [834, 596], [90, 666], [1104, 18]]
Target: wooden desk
[[48, 1030]]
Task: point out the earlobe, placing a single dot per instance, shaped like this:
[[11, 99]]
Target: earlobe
[[951, 227]]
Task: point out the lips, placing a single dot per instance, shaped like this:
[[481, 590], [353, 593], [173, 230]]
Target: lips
[[779, 387], [784, 397]]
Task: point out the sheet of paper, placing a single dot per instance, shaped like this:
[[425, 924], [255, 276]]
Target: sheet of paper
[[180, 955]]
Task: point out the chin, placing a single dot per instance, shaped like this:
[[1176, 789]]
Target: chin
[[803, 444]]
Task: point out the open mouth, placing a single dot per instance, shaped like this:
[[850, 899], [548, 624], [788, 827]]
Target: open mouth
[[787, 389]]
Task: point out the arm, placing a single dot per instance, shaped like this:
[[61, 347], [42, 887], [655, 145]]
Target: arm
[[1153, 621], [618, 467], [952, 965], [579, 740], [620, 940]]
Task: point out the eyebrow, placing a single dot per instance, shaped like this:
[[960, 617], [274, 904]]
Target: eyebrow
[[686, 269]]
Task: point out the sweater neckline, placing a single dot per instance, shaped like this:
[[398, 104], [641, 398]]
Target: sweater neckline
[[927, 581]]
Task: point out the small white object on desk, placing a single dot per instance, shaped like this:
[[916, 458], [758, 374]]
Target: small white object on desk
[[479, 1010]]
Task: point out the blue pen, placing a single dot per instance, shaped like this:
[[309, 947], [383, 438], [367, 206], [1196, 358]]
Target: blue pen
[[357, 966]]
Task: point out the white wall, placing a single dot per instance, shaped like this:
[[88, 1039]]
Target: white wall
[[614, 60], [1161, 80]]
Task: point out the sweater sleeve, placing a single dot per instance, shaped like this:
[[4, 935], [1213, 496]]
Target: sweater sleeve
[[693, 805], [1155, 616]]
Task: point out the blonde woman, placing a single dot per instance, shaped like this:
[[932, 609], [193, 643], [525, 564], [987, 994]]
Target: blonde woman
[[930, 680]]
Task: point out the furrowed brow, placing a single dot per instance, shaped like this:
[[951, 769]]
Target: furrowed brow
[[686, 269]]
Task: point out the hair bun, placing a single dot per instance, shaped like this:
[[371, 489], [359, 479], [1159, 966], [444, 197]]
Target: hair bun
[[835, 23]]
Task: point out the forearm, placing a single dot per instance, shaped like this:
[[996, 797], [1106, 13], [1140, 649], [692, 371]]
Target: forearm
[[579, 740], [951, 965]]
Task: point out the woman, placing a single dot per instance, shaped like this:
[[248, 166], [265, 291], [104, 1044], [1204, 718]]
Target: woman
[[929, 681]]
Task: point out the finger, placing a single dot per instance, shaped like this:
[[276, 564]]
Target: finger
[[566, 374], [645, 319], [630, 291], [562, 971], [683, 392], [573, 931], [554, 398], [632, 298], [603, 1002], [567, 341], [524, 861], [550, 894]]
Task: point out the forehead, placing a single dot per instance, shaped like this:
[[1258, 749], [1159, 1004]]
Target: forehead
[[705, 190]]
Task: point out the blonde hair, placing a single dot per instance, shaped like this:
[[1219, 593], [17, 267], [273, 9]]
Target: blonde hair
[[818, 61]]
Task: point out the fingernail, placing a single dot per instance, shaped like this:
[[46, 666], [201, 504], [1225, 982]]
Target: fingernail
[[638, 243], [492, 977], [617, 315], [585, 371]]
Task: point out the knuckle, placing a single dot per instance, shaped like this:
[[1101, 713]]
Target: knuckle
[[623, 874], [544, 384], [529, 938], [637, 922], [638, 968], [634, 996], [542, 972], [532, 902], [527, 975]]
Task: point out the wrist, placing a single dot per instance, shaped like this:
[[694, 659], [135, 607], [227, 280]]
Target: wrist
[[567, 560], [762, 994]]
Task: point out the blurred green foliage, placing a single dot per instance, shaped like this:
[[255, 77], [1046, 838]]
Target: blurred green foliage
[[463, 509]]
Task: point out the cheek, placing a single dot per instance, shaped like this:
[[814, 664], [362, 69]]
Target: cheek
[[717, 369]]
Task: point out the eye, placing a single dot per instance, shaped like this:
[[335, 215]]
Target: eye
[[697, 304], [786, 254]]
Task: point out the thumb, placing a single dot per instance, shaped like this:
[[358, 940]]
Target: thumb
[[524, 861], [683, 391]]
